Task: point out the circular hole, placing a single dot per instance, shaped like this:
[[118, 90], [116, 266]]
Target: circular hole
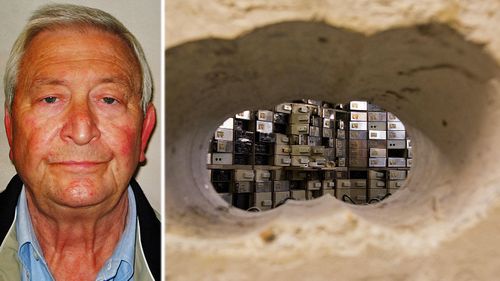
[[304, 149]]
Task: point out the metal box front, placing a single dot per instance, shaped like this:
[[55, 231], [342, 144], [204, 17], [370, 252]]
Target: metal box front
[[378, 152], [284, 108], [244, 175], [222, 158], [396, 144], [263, 200], [358, 116], [282, 149], [377, 126], [358, 126], [397, 174], [264, 186], [224, 134], [282, 185], [396, 135], [395, 126], [377, 135], [376, 184], [358, 135], [396, 162], [301, 150], [262, 175], [377, 162], [300, 161], [377, 116], [264, 127], [282, 160]]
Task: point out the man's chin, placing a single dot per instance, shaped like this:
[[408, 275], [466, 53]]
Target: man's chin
[[81, 196]]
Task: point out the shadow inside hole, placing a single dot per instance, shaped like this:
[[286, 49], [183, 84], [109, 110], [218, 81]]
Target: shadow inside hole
[[304, 149]]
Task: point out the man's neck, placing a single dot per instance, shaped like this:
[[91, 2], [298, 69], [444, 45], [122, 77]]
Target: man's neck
[[76, 243]]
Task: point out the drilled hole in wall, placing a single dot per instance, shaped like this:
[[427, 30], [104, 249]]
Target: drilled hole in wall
[[304, 149]]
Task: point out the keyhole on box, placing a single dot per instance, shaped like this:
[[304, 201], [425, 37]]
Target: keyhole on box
[[304, 149]]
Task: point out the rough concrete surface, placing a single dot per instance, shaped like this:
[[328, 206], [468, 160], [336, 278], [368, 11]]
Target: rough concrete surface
[[432, 63]]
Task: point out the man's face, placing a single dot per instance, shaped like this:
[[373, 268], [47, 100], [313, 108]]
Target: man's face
[[77, 131]]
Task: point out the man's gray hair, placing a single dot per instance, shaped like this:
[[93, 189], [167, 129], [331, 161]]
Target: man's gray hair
[[60, 15]]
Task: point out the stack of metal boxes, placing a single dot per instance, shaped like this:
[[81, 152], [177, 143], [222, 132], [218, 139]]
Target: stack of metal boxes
[[358, 132], [222, 145], [281, 186], [263, 197], [377, 136], [305, 149], [243, 139], [264, 137], [243, 188]]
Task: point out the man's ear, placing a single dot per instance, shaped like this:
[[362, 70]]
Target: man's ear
[[148, 125], [7, 120]]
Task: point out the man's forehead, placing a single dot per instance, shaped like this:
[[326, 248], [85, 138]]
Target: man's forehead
[[52, 48]]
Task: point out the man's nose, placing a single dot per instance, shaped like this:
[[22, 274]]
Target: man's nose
[[80, 126]]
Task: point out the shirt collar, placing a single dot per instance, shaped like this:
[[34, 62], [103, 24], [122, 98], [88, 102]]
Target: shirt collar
[[120, 266]]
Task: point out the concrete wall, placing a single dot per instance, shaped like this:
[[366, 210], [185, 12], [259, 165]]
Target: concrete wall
[[144, 21], [432, 63]]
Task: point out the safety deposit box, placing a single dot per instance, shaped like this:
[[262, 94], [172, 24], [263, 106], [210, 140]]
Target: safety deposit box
[[378, 152], [328, 184], [358, 105], [265, 115], [396, 183], [300, 118], [245, 115], [298, 194], [280, 198], [222, 146], [372, 174], [358, 135], [264, 186], [299, 129], [396, 135], [395, 126], [396, 144], [377, 162], [358, 144], [244, 175], [282, 149], [358, 116], [222, 158], [358, 126], [300, 161], [301, 150], [397, 174], [284, 108], [377, 116], [262, 175], [314, 185], [282, 139], [376, 183], [377, 135], [223, 134], [282, 160], [263, 200], [281, 186], [264, 127], [396, 162], [243, 187]]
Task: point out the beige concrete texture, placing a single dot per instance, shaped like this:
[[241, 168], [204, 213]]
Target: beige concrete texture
[[432, 63]]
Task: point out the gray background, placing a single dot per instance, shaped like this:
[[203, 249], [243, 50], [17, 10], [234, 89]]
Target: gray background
[[143, 19]]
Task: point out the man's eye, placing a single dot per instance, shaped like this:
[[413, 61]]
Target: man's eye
[[50, 99], [109, 100]]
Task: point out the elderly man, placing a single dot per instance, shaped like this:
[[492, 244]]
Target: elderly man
[[78, 119]]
